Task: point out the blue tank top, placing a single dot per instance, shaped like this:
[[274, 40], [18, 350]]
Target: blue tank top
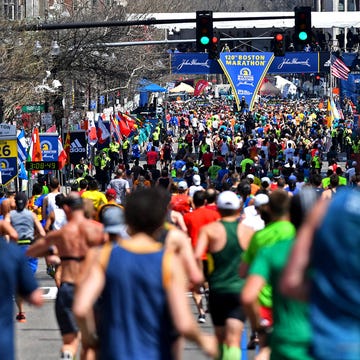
[[134, 321], [335, 291]]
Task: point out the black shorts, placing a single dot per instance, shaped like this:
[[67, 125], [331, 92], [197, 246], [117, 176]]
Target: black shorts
[[63, 309], [225, 306]]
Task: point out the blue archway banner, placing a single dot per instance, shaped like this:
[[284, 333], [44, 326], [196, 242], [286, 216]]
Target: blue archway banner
[[245, 72]]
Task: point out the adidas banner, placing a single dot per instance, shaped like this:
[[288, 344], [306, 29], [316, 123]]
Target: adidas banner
[[77, 146]]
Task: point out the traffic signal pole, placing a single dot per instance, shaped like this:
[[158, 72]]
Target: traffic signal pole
[[153, 21]]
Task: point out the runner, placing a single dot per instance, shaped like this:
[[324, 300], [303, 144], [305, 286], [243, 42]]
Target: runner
[[146, 331], [70, 243], [224, 251]]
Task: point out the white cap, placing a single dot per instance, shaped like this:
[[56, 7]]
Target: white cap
[[228, 200], [266, 179], [182, 185], [250, 176], [196, 180], [261, 199]]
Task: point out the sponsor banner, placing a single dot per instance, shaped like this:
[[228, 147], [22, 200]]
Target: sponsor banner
[[245, 72], [8, 168], [49, 146], [7, 130], [324, 62], [351, 87], [194, 63], [295, 62], [78, 146]]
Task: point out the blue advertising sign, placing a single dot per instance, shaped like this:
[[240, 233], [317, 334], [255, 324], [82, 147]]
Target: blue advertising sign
[[194, 63], [295, 62], [8, 168], [93, 105], [49, 146], [351, 87], [245, 72]]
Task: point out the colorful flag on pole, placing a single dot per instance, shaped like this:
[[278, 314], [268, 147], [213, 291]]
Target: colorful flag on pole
[[338, 68], [51, 129], [67, 147], [62, 157], [329, 115], [102, 133], [123, 125], [114, 128], [200, 86], [35, 148], [22, 146], [92, 133]]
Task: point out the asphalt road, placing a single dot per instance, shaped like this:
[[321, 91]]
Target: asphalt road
[[39, 338]]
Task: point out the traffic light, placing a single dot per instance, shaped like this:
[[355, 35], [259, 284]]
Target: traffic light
[[204, 30], [279, 44], [214, 49], [317, 79], [303, 24]]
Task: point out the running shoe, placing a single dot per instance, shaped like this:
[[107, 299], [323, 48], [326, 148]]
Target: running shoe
[[20, 317], [202, 319]]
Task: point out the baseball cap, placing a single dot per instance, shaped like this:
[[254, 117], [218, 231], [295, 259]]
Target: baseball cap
[[292, 177], [266, 179], [228, 200], [196, 180], [250, 176], [111, 193], [261, 199], [20, 198], [182, 185], [113, 220]]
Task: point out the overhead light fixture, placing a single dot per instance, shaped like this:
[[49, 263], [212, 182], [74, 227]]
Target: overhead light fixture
[[55, 48]]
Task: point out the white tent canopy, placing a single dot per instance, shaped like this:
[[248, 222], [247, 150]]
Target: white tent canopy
[[182, 87]]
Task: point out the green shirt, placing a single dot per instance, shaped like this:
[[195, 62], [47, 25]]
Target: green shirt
[[291, 330], [244, 163], [213, 171], [271, 234], [223, 265]]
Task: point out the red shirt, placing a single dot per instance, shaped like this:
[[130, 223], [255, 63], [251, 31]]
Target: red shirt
[[152, 157], [207, 159], [196, 220]]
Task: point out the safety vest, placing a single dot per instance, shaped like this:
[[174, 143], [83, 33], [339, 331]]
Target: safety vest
[[126, 144], [114, 147]]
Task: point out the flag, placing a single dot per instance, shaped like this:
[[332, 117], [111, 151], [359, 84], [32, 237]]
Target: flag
[[200, 87], [22, 146], [67, 147], [329, 115], [62, 156], [335, 112], [35, 148], [123, 125], [51, 129], [92, 132], [22, 171], [102, 132], [338, 68], [114, 128]]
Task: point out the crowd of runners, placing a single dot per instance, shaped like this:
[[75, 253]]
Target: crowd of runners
[[251, 211]]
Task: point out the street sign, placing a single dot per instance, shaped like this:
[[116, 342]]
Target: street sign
[[8, 159], [7, 131], [33, 108], [8, 148], [46, 119]]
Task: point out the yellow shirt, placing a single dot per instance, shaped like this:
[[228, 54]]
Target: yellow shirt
[[97, 197]]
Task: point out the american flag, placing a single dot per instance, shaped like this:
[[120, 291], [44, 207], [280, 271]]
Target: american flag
[[338, 68]]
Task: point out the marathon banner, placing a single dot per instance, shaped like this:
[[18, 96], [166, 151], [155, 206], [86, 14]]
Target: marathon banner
[[295, 62], [194, 63], [245, 72], [350, 87], [49, 146], [78, 146]]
